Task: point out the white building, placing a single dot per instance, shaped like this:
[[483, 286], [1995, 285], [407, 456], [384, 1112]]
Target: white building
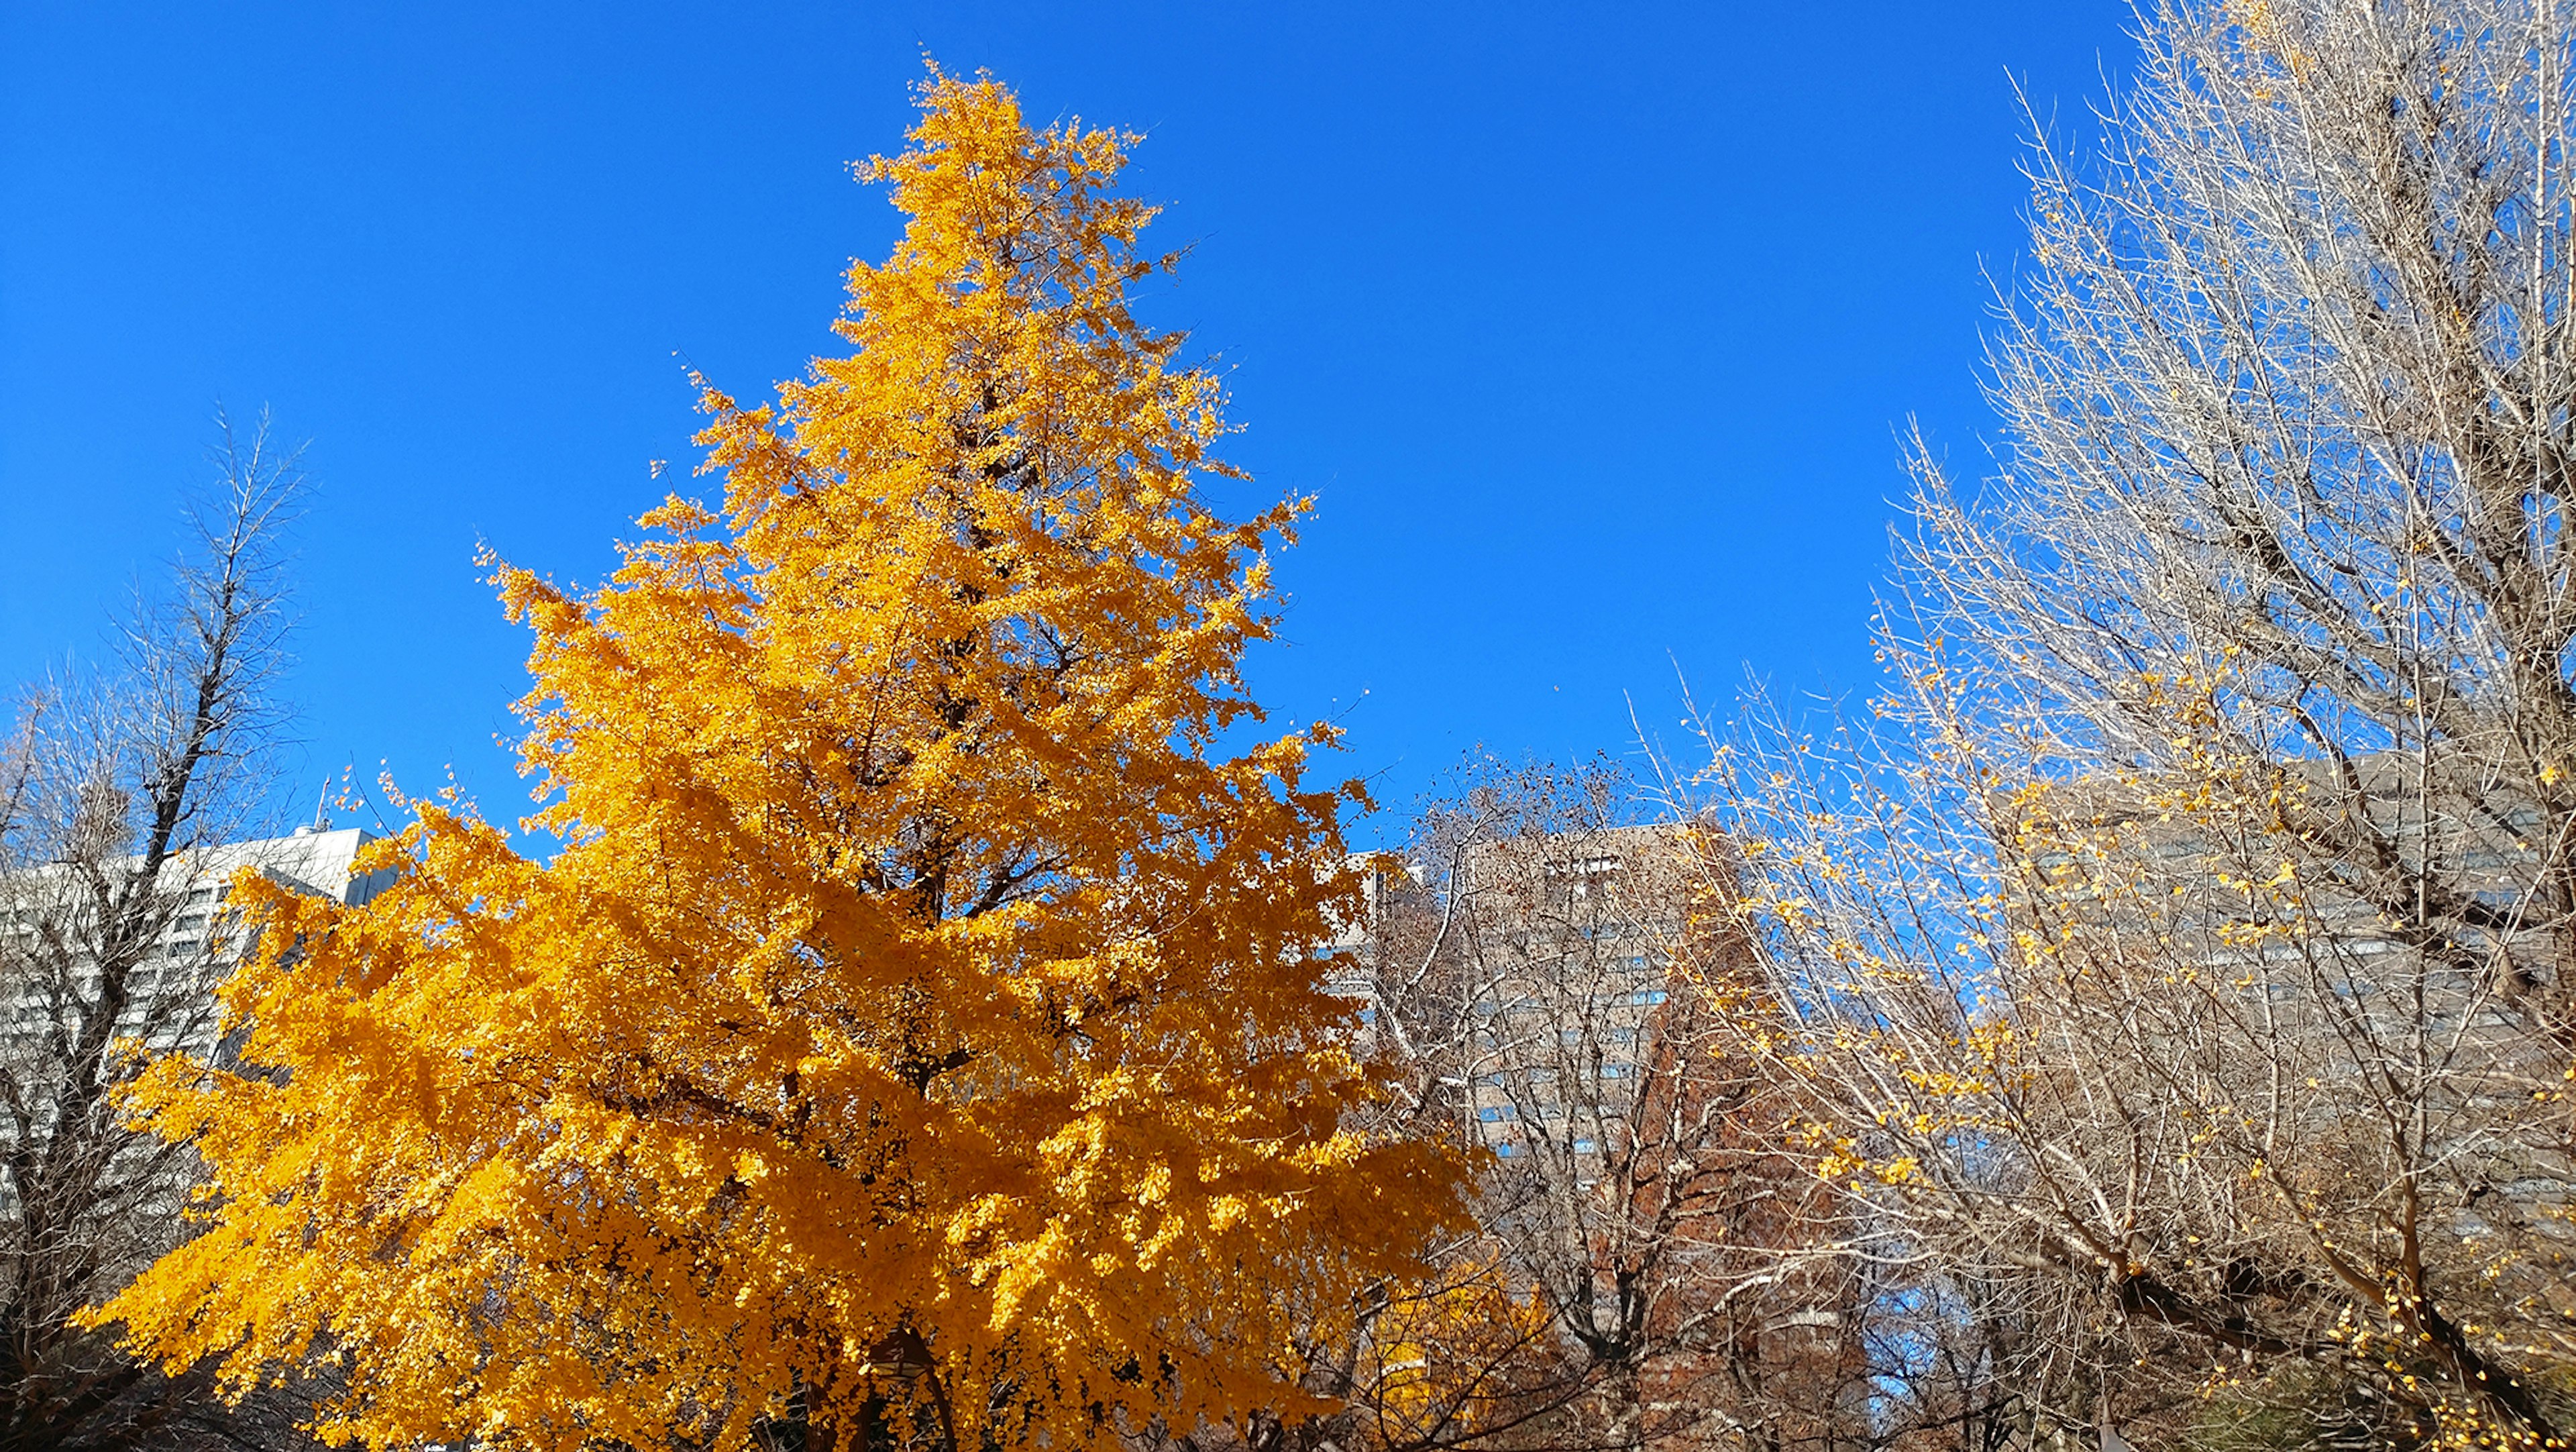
[[53, 925]]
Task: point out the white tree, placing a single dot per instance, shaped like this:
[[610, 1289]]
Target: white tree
[[2186, 949]]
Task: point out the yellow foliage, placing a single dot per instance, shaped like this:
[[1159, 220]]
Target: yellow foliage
[[1459, 1358], [914, 960]]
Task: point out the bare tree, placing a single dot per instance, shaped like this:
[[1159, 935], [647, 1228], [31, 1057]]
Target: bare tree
[[1666, 1284], [119, 793], [2185, 949]]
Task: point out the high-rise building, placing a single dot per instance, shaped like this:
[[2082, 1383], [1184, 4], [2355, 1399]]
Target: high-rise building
[[179, 933]]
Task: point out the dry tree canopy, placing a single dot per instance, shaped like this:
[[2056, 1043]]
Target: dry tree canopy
[[1648, 1267], [2181, 951]]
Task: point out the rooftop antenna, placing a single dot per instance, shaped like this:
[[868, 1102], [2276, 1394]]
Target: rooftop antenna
[[322, 807]]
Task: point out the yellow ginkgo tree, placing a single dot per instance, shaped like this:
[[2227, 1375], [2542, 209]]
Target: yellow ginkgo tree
[[918, 1032]]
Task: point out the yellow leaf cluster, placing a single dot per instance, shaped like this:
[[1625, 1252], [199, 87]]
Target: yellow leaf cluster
[[916, 959]]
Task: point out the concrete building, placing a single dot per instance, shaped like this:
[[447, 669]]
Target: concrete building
[[50, 929], [1572, 950]]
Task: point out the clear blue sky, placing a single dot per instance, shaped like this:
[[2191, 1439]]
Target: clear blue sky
[[1590, 326]]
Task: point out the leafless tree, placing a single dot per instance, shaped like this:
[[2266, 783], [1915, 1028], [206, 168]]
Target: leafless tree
[[2185, 946], [1666, 1284], [118, 791]]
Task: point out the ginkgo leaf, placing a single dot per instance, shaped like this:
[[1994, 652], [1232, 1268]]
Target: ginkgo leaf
[[913, 965]]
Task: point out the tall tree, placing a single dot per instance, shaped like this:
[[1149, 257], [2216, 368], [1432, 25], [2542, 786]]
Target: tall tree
[[115, 785], [919, 1031], [2193, 982]]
